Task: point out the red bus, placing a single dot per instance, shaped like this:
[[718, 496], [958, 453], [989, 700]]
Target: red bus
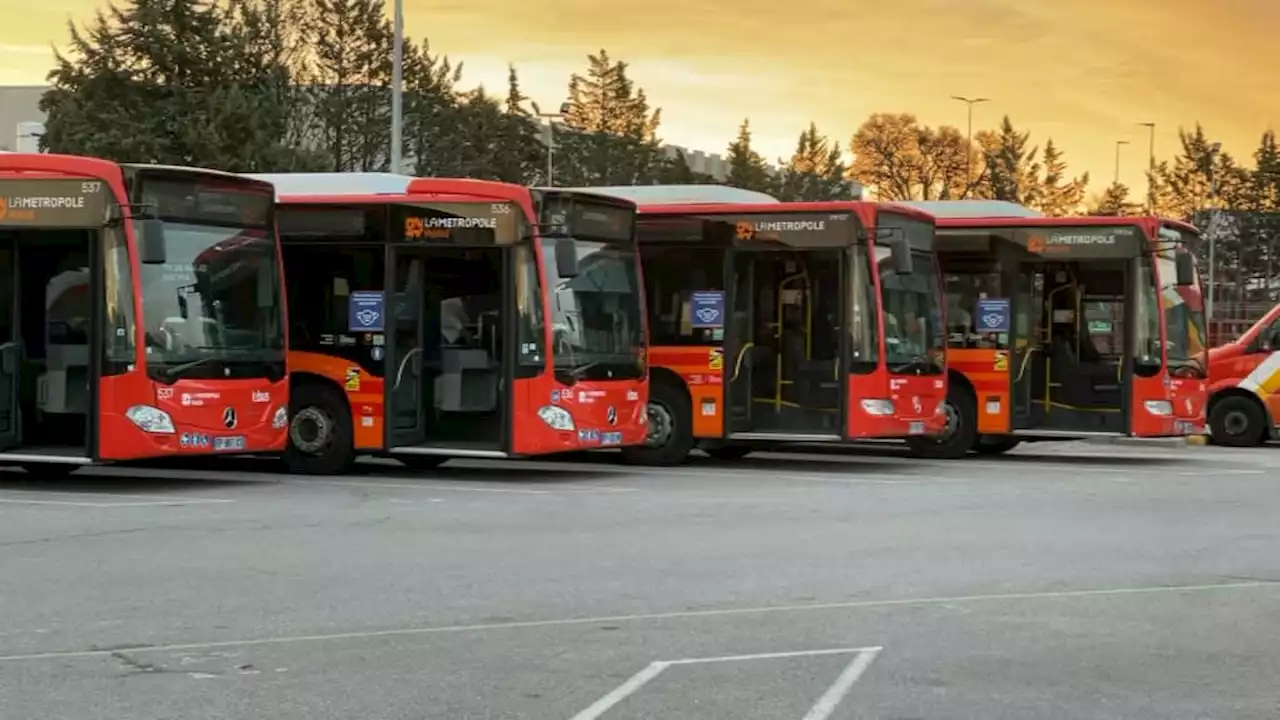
[[437, 318], [141, 313], [1244, 385], [774, 323], [1067, 327]]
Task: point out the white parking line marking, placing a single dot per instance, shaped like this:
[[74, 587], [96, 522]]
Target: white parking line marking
[[657, 616], [78, 503], [852, 672], [820, 711]]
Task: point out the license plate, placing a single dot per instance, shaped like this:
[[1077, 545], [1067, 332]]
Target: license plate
[[1184, 427], [611, 438], [915, 428], [230, 442]]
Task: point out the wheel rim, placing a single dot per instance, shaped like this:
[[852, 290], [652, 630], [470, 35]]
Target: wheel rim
[[660, 425], [953, 422], [311, 430], [1235, 423]]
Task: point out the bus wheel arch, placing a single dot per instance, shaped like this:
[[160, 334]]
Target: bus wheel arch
[[321, 436], [961, 434], [670, 422], [1237, 418]]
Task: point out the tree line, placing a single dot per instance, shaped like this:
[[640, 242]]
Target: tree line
[[304, 85]]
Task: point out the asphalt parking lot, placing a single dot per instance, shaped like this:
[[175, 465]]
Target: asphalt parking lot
[[1063, 581]]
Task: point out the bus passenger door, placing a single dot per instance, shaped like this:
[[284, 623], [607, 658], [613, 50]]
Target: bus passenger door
[[10, 355], [406, 414], [1027, 356], [739, 350]]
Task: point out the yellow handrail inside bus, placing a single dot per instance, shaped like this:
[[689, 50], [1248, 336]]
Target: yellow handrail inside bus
[[737, 362]]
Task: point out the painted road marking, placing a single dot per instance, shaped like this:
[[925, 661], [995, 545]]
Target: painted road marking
[[821, 710], [1273, 585], [104, 502]]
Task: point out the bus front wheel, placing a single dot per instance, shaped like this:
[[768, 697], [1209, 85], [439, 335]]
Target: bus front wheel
[[960, 434], [670, 429], [321, 439], [1237, 422]]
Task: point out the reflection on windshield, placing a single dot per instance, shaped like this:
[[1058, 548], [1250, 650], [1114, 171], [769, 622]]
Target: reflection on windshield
[[213, 308], [597, 321], [1184, 328], [912, 317]]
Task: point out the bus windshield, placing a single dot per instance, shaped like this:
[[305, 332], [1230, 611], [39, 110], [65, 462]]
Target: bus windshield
[[1183, 312], [213, 308], [597, 317], [912, 308]]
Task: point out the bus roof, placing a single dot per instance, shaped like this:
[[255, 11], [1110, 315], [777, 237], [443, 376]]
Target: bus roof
[[373, 187], [1067, 221], [952, 209], [680, 194]]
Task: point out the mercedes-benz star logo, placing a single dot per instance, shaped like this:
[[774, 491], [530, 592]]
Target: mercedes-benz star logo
[[612, 415], [229, 418]]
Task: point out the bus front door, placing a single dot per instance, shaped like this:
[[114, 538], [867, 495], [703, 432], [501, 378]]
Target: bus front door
[[781, 361], [1070, 375], [406, 417]]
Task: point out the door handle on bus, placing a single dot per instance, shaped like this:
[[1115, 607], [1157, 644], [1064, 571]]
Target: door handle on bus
[[9, 358]]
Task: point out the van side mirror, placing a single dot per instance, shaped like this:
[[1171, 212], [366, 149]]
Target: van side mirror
[[1185, 269], [151, 250], [566, 258], [900, 251]]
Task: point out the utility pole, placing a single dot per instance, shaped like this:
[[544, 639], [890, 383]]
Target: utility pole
[[397, 89], [1119, 144], [1213, 228], [551, 118], [1151, 168], [968, 155]]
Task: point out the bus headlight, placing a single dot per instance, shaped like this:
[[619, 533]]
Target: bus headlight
[[874, 406], [150, 419], [280, 419], [557, 418], [1161, 408]]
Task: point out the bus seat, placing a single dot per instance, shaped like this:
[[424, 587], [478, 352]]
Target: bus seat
[[468, 381]]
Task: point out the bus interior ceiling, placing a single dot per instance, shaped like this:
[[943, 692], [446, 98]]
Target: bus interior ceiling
[[461, 341], [787, 323], [54, 321]]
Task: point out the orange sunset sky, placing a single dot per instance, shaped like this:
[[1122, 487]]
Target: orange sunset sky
[[1082, 71]]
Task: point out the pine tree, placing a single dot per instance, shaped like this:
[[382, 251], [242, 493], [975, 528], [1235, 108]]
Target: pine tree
[[815, 171], [522, 149], [609, 134], [1012, 170], [1058, 195], [677, 171], [170, 81], [432, 116], [1266, 174], [747, 168], [1114, 201], [352, 45]]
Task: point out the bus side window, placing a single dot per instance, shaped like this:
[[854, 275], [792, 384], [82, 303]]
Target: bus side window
[[672, 275]]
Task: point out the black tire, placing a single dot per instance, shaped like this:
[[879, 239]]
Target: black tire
[[995, 444], [421, 463], [1237, 421], [668, 404], [49, 471], [962, 413], [728, 453], [321, 439]]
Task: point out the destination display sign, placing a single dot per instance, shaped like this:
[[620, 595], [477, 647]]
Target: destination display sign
[[794, 229], [53, 203], [182, 199], [572, 216], [460, 223], [1082, 242]]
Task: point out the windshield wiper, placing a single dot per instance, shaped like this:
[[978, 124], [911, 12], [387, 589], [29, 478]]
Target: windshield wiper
[[172, 372]]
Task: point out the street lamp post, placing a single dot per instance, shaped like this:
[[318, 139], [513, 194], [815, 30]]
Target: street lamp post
[[1119, 144], [397, 89], [551, 118], [968, 151], [1210, 158], [1151, 167]]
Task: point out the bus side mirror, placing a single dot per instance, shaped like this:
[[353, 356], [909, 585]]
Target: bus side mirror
[[151, 242], [1184, 269], [566, 258], [900, 251]]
